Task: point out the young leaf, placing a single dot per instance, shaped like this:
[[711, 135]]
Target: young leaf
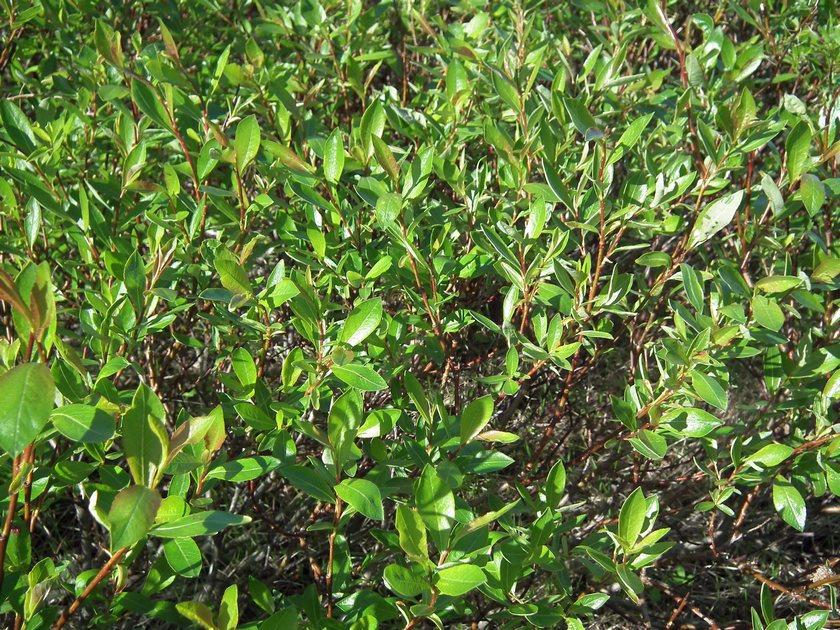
[[334, 157], [475, 417], [246, 144], [386, 159]]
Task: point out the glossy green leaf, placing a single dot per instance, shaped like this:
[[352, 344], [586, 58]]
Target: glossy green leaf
[[26, 399], [199, 524], [247, 141], [184, 556], [83, 423], [361, 322], [132, 515], [361, 377], [714, 217], [475, 417], [363, 496], [631, 518], [789, 503], [334, 157], [412, 533], [459, 579], [435, 505]]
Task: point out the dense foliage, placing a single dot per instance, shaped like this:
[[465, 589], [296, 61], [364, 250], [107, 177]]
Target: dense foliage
[[407, 314]]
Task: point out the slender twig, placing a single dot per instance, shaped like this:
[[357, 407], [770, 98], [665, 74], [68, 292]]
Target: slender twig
[[77, 603]]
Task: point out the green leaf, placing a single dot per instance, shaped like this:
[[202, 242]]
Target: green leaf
[[693, 286], [107, 43], [778, 284], [475, 417], [769, 455], [228, 618], [246, 144], [789, 503], [812, 193], [690, 422], [403, 582], [831, 391], [134, 278], [797, 145], [714, 217], [244, 468], [631, 518], [459, 580], [84, 423], [307, 480], [199, 524], [148, 102], [132, 514], [436, 505], [334, 157], [244, 367], [581, 118], [634, 131], [359, 376], [372, 125], [386, 159], [774, 195], [363, 496], [827, 270], [388, 208], [261, 594], [184, 556], [233, 275], [412, 533], [361, 322], [345, 418], [709, 390], [26, 399], [144, 436], [17, 126], [555, 484], [654, 259], [198, 613], [506, 91], [767, 312], [457, 82], [650, 444]]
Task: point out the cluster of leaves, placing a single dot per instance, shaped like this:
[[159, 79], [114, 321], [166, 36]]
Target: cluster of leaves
[[349, 314]]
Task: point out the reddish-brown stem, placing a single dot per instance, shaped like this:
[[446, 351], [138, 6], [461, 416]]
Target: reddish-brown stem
[[10, 515], [77, 603]]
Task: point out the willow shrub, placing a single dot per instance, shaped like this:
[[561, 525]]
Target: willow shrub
[[347, 314]]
